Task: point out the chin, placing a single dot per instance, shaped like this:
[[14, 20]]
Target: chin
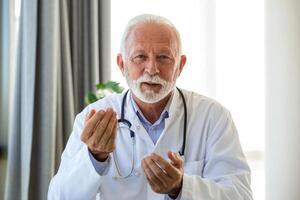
[[149, 91]]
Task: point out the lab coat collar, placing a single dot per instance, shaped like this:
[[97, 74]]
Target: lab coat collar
[[173, 106], [163, 115]]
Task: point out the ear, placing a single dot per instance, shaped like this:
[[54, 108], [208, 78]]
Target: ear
[[182, 63], [120, 63]]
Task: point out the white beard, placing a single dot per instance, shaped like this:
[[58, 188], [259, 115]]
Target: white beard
[[150, 96]]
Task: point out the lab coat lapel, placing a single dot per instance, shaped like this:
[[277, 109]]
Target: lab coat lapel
[[171, 137]]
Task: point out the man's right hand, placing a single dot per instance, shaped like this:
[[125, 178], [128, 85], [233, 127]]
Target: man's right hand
[[99, 133]]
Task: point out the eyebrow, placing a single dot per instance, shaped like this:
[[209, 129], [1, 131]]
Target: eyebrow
[[137, 51], [161, 51], [165, 52]]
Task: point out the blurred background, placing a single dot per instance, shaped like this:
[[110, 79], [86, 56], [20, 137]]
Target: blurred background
[[243, 53]]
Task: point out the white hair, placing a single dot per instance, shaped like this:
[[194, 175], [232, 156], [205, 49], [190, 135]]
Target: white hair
[[145, 19]]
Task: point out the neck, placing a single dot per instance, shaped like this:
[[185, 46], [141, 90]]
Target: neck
[[152, 111]]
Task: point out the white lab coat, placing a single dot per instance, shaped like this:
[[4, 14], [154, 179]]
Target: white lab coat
[[214, 167]]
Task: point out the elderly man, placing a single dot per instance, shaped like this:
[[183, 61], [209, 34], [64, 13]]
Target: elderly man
[[155, 141]]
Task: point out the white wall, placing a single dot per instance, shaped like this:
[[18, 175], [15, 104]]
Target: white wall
[[283, 99]]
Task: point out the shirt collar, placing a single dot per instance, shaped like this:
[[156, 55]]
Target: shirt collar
[[164, 114]]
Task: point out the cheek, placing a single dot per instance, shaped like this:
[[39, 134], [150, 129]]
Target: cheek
[[169, 75], [134, 72]]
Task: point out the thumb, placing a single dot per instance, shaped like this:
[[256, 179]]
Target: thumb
[[175, 158]]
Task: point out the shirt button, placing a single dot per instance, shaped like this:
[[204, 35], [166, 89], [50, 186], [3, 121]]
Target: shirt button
[[137, 173], [138, 127]]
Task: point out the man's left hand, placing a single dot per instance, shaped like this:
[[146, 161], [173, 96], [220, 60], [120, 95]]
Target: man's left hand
[[164, 177]]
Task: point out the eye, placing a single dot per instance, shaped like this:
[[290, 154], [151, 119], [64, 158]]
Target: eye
[[139, 58], [165, 59]]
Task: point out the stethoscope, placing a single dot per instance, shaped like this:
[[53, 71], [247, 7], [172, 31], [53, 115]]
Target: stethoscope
[[124, 122]]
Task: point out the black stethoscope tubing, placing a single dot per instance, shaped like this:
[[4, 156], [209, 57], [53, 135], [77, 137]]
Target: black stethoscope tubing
[[132, 134]]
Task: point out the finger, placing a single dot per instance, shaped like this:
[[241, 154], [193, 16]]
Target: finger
[[165, 165], [100, 130], [89, 115], [101, 127], [156, 188], [150, 175], [175, 159], [111, 141], [105, 120], [158, 171], [109, 130], [99, 146], [91, 124]]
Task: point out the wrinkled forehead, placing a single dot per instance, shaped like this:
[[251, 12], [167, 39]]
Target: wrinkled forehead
[[157, 48], [150, 35]]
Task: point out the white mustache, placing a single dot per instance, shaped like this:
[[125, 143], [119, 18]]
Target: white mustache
[[149, 96], [151, 79]]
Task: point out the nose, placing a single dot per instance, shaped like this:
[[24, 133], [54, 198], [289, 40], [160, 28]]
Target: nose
[[152, 66]]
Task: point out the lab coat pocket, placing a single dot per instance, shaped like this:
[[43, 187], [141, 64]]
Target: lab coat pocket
[[194, 167]]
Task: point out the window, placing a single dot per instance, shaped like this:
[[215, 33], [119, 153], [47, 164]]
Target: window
[[240, 77], [224, 44]]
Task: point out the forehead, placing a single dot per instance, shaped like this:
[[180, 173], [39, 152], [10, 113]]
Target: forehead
[[144, 36]]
